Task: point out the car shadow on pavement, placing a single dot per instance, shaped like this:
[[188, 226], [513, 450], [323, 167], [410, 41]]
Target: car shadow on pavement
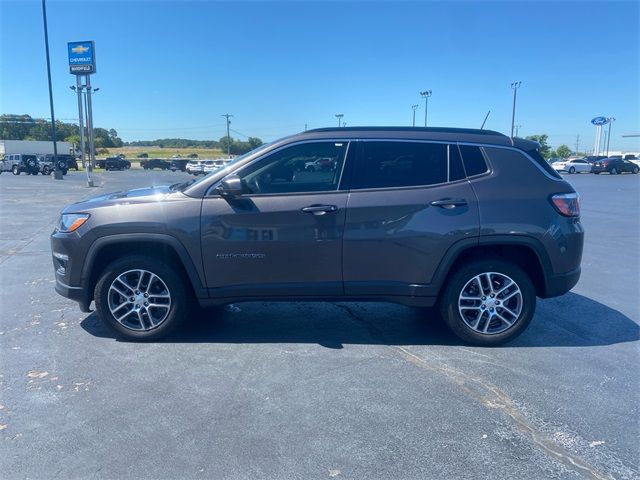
[[569, 321]]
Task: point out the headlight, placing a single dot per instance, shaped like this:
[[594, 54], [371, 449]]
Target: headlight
[[71, 221]]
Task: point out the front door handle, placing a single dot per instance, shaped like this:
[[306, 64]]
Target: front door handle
[[449, 202], [320, 209]]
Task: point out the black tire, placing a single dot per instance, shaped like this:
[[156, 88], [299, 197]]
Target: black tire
[[64, 172], [172, 278], [635, 170], [46, 170], [455, 285], [15, 170], [572, 170], [613, 171]]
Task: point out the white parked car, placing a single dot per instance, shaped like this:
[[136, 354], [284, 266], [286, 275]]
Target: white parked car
[[577, 165], [195, 167]]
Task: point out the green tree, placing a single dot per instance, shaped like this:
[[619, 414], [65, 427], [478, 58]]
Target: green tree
[[545, 149], [563, 151], [254, 142]]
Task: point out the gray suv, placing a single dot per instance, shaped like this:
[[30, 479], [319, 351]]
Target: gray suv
[[471, 221]]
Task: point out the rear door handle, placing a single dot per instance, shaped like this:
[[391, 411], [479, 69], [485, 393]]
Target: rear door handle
[[320, 209], [449, 202]]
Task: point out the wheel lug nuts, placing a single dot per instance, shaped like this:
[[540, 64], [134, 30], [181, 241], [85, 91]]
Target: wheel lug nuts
[[132, 299], [491, 309], [492, 295], [497, 302], [146, 295], [483, 306], [484, 298], [146, 304], [137, 292]]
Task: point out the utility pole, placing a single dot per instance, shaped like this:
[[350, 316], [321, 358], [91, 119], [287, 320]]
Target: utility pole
[[414, 107], [577, 143], [518, 127], [227, 116], [57, 174], [426, 94], [514, 86], [339, 117], [305, 127], [611, 120]]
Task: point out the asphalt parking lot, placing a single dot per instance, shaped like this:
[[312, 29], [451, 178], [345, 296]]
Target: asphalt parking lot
[[323, 390]]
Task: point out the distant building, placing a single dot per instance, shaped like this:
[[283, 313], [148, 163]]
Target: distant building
[[34, 147]]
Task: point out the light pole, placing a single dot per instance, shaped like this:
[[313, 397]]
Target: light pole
[[611, 120], [518, 127], [227, 116], [514, 86], [339, 117], [426, 94], [414, 107], [57, 174]]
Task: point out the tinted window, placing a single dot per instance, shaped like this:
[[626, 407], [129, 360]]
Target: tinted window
[[400, 164], [535, 155], [308, 167], [474, 162]]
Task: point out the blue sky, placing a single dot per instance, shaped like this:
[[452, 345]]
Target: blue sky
[[170, 69]]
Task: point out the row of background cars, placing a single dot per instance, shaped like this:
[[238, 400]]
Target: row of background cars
[[203, 167], [613, 165], [33, 164]]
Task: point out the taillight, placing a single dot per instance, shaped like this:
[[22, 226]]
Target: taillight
[[567, 204]]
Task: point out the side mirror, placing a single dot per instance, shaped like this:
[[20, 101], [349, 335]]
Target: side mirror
[[230, 187]]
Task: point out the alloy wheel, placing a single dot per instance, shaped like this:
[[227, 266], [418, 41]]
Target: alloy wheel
[[490, 303], [139, 300]]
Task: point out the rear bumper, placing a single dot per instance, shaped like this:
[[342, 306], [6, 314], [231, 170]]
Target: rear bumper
[[559, 284]]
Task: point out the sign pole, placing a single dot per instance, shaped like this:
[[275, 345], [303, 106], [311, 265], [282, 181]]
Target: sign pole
[[81, 125], [92, 152]]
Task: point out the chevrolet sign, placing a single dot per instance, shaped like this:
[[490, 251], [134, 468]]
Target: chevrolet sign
[[82, 58]]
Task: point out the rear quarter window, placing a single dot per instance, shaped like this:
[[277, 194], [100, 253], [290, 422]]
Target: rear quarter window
[[473, 159], [542, 163]]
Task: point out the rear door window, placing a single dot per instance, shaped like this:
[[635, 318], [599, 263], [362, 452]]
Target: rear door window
[[388, 164]]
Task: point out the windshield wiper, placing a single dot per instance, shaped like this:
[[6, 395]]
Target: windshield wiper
[[181, 186]]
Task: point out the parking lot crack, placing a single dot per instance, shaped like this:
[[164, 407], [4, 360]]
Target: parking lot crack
[[492, 397]]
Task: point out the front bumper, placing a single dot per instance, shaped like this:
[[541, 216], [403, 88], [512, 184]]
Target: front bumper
[[77, 294]]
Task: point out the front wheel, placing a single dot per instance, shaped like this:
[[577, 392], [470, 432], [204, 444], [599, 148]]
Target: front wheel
[[572, 170], [635, 170], [488, 302], [15, 170], [141, 298]]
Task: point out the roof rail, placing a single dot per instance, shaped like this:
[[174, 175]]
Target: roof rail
[[473, 131]]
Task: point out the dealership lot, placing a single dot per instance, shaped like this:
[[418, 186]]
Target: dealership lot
[[345, 390]]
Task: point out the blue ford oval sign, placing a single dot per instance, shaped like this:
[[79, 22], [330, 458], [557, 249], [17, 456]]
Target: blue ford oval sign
[[600, 121]]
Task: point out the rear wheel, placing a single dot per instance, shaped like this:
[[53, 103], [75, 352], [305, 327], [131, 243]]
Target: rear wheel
[[572, 170], [613, 171], [46, 170], [488, 302], [635, 170], [141, 298], [15, 170]]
